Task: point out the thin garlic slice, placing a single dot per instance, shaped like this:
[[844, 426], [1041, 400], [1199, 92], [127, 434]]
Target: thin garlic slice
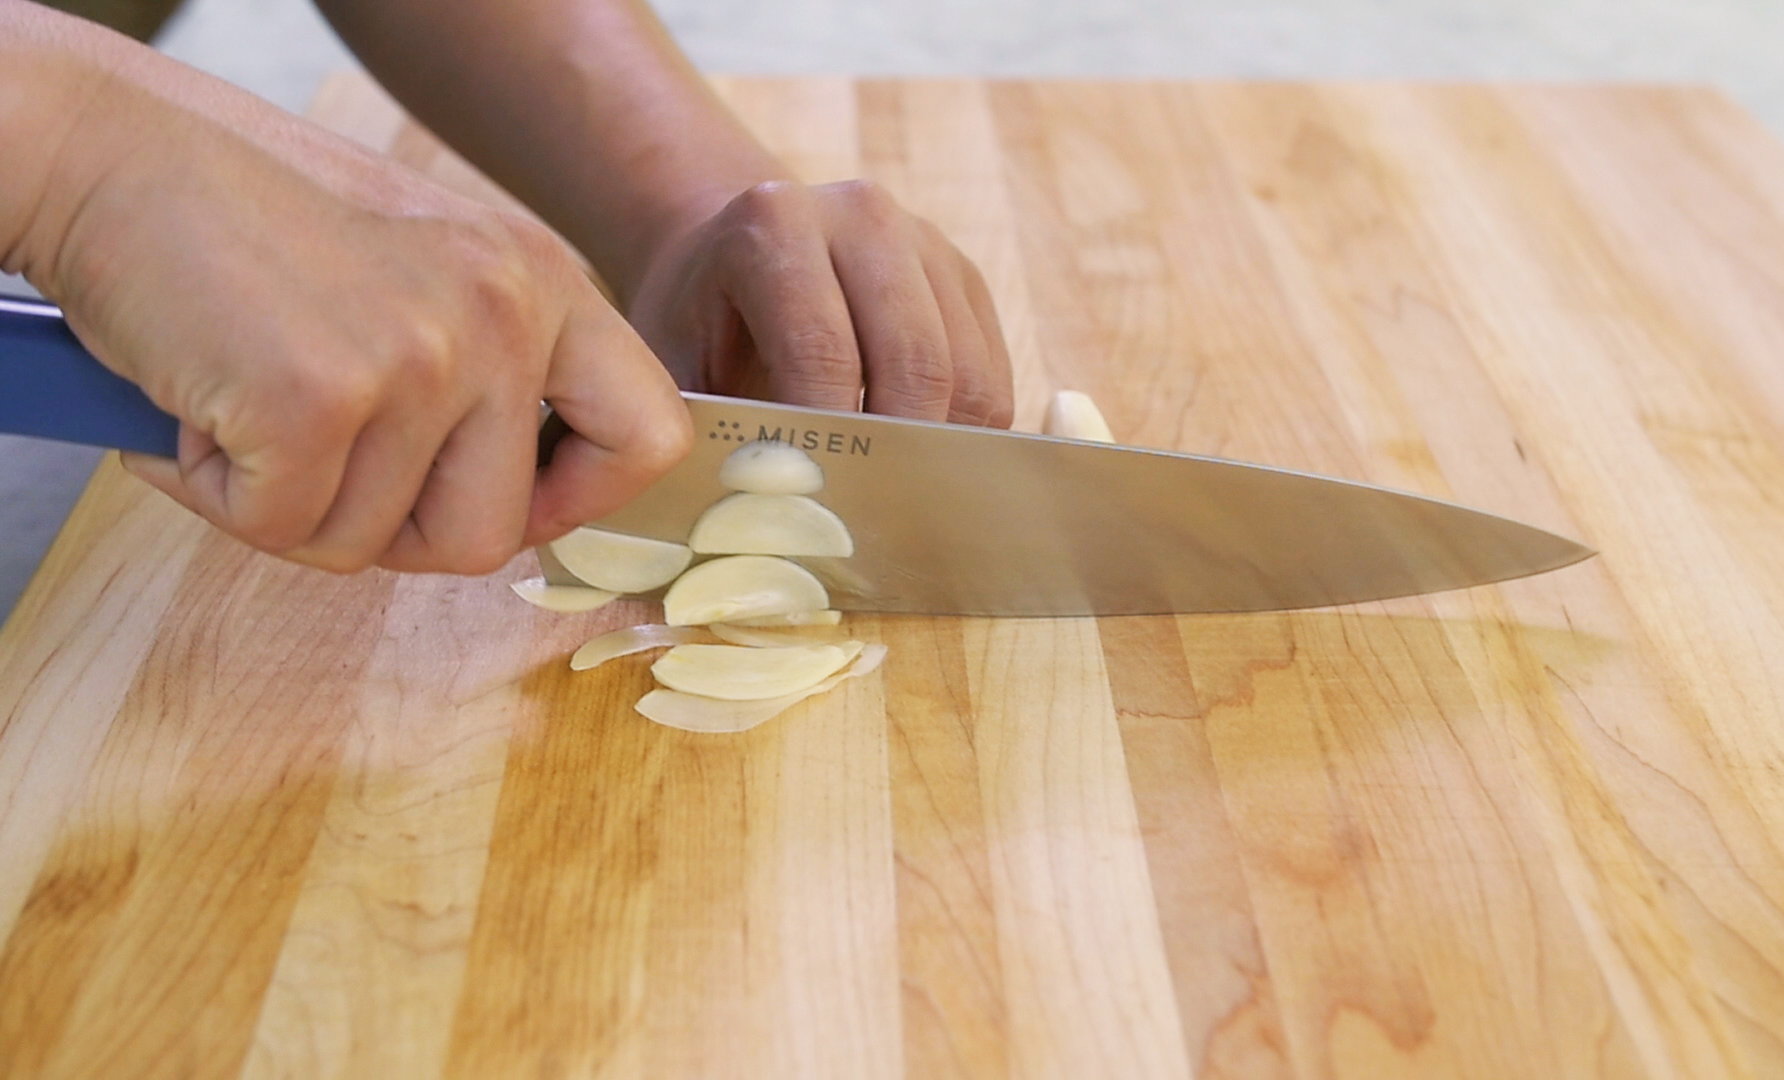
[[632, 639], [1073, 415], [827, 617], [618, 562], [735, 673], [745, 524], [770, 467], [563, 598], [742, 587], [773, 638], [690, 712]]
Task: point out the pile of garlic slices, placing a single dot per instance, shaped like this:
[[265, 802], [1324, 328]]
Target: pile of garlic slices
[[771, 617]]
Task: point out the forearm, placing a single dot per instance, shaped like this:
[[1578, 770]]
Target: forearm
[[585, 109], [77, 101], [47, 81]]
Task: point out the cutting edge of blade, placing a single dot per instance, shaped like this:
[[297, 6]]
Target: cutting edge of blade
[[1581, 555]]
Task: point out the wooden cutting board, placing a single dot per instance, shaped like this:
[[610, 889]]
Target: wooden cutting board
[[262, 821]]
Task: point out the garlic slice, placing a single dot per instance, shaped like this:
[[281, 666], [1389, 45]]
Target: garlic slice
[[1073, 415], [618, 562], [690, 712], [771, 467], [773, 638], [564, 598], [827, 617], [742, 587], [746, 524], [632, 639], [737, 673]]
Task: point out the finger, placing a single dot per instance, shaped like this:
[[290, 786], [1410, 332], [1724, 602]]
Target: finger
[[471, 515], [904, 342], [983, 394], [195, 478], [386, 472], [787, 293], [628, 425], [288, 456], [997, 369], [166, 473], [261, 496]]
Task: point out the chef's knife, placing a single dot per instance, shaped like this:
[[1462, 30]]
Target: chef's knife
[[972, 521], [969, 521], [52, 388]]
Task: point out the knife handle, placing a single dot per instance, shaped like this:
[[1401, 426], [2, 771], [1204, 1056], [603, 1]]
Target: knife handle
[[51, 387]]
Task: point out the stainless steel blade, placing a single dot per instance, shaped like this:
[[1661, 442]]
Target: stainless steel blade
[[966, 521]]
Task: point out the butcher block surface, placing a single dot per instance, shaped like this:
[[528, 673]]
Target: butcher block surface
[[260, 821]]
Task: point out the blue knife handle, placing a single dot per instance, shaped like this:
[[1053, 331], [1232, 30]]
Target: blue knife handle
[[51, 387]]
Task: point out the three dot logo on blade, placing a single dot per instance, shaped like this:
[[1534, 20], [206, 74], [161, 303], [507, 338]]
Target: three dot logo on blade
[[808, 439]]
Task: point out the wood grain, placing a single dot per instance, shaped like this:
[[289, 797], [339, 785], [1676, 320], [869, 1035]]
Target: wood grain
[[259, 821]]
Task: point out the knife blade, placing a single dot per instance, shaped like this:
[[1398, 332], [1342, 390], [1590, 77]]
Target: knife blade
[[958, 520], [973, 521]]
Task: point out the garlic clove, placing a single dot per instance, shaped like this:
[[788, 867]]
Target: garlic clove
[[632, 639], [773, 637], [745, 524], [827, 617], [618, 562], [1073, 415], [561, 598], [690, 712], [738, 673], [770, 467], [742, 587]]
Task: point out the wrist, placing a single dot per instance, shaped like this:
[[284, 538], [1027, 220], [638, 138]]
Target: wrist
[[67, 122], [668, 208], [46, 88]]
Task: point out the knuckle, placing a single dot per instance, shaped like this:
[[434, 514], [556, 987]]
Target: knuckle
[[645, 452], [921, 375], [530, 239], [870, 200], [326, 405], [819, 349], [478, 559], [658, 447], [500, 287], [1002, 413], [497, 265], [756, 227], [820, 357], [768, 201], [932, 236], [982, 407], [421, 354]]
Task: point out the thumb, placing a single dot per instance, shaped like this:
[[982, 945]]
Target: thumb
[[627, 424], [198, 479]]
